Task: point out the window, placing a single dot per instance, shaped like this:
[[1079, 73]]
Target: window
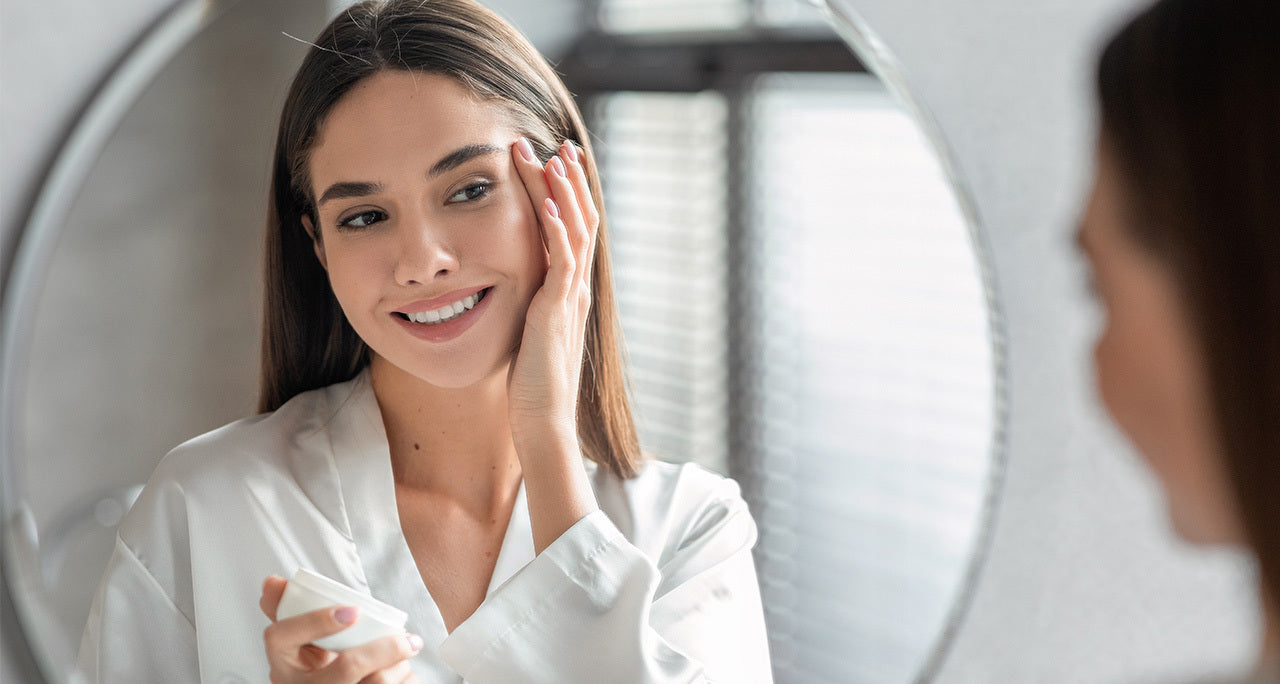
[[803, 311], [663, 163]]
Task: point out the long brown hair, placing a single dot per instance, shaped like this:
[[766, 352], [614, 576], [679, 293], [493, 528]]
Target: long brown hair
[[307, 341], [1190, 105]]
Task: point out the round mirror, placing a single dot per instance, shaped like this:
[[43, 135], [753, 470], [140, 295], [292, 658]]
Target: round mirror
[[805, 302]]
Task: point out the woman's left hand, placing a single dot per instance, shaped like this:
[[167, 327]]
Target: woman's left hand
[[542, 392], [543, 385]]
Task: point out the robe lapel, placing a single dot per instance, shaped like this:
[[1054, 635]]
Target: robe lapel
[[369, 498], [390, 573], [517, 544]]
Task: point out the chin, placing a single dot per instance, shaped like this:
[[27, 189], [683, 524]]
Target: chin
[[459, 374]]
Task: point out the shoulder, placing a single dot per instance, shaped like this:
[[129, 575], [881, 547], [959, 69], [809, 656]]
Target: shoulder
[[260, 441], [259, 449]]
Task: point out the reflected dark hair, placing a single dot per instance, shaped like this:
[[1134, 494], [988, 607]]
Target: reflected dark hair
[[307, 341], [1190, 108]]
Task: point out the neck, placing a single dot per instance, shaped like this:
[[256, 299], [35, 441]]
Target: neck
[[451, 443]]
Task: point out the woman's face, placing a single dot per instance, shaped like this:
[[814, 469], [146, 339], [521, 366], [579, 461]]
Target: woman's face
[[428, 235], [1149, 369]]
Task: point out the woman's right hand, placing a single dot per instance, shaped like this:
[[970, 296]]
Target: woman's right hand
[[294, 659]]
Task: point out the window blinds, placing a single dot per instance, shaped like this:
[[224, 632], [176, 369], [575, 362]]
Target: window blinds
[[663, 160], [873, 376], [867, 363]]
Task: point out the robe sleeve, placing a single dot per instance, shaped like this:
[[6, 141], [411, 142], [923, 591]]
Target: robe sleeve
[[135, 632], [593, 608]]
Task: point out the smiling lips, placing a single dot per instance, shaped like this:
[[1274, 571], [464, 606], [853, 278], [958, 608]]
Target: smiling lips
[[446, 313]]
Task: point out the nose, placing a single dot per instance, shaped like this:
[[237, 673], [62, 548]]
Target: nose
[[425, 253]]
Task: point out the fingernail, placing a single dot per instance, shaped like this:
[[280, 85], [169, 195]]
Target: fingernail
[[557, 166], [552, 208], [571, 150], [526, 150], [345, 615], [415, 642]]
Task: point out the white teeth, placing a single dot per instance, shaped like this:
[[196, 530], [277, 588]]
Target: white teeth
[[447, 312]]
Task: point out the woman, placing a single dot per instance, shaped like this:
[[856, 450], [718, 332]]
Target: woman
[[445, 418], [1182, 232]]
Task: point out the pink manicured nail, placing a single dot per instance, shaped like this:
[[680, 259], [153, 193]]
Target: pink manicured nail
[[571, 150], [552, 208], [345, 615], [557, 166], [526, 150], [415, 642]]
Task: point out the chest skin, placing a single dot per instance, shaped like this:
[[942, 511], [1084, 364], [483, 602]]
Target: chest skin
[[455, 550]]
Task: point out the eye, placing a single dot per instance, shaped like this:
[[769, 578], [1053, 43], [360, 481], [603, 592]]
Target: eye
[[362, 220], [471, 193]]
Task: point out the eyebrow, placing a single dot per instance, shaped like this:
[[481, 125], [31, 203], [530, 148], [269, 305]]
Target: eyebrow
[[345, 190], [449, 162], [461, 156]]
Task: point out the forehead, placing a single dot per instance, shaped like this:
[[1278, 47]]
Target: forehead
[[394, 120]]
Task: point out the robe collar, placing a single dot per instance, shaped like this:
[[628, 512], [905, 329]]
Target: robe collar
[[363, 461]]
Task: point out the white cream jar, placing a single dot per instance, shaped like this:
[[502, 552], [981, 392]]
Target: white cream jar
[[309, 591]]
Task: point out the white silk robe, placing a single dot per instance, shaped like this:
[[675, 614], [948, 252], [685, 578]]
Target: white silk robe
[[657, 586]]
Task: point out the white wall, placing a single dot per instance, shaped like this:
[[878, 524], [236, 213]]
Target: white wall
[[1084, 583], [51, 54]]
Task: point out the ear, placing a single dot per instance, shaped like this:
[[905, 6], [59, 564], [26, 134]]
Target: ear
[[316, 244]]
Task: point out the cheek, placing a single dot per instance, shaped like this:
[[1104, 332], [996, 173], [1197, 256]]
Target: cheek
[[1111, 370], [1150, 381], [352, 272], [517, 242], [1136, 383]]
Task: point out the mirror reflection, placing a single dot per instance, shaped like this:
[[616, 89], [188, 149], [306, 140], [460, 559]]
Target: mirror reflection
[[800, 299]]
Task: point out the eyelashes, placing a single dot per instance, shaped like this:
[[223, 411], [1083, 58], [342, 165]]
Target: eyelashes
[[473, 192], [362, 220]]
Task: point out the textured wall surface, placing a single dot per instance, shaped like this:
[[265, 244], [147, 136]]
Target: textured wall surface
[[1084, 582]]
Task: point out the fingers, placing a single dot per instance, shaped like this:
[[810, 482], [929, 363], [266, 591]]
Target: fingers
[[381, 660], [559, 180], [561, 271], [563, 179], [396, 674], [531, 174], [272, 590], [285, 638], [576, 163]]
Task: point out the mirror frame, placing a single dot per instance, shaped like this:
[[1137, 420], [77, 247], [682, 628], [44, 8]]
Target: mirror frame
[[21, 578], [882, 62], [23, 278]]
